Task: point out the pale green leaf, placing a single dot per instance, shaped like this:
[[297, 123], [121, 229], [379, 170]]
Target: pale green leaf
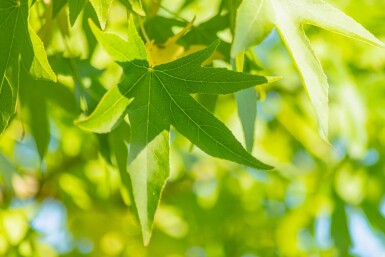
[[114, 103], [137, 7], [256, 18], [101, 8], [247, 106], [247, 112], [149, 171], [119, 49], [40, 68], [110, 111]]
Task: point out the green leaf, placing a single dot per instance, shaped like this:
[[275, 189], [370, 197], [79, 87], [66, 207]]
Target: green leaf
[[247, 106], [159, 28], [101, 8], [137, 7], [149, 169], [32, 96], [107, 116], [119, 49], [165, 90], [205, 33], [256, 18], [18, 41], [118, 143], [247, 112], [18, 38], [75, 7], [8, 98], [340, 228], [374, 215], [40, 68], [7, 172], [57, 7], [160, 96]]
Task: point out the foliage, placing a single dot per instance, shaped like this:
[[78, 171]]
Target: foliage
[[106, 105]]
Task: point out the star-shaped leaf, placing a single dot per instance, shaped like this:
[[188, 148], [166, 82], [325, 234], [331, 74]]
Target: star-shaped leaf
[[256, 18], [19, 46], [156, 98]]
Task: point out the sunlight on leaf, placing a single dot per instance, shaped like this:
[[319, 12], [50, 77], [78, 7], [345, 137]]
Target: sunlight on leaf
[[256, 18]]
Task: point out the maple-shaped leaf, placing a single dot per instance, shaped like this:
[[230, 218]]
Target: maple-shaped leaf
[[158, 97], [256, 18], [19, 46]]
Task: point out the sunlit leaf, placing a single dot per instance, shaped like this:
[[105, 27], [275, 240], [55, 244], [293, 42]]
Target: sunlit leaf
[[157, 97], [101, 7], [137, 7], [256, 18], [18, 41]]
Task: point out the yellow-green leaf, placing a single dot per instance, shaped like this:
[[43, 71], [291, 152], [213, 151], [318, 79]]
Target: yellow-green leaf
[[256, 18]]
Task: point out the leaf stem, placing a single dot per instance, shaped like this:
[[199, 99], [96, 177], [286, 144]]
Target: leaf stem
[[176, 15], [143, 30]]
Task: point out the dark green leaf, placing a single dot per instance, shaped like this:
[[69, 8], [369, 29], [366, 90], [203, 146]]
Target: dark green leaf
[[75, 7], [157, 97], [18, 41]]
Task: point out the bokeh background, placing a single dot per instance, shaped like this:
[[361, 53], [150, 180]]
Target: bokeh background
[[321, 200]]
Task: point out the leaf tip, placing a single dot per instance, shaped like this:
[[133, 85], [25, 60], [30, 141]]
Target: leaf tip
[[381, 44], [271, 79], [84, 124], [235, 48], [146, 237], [264, 166]]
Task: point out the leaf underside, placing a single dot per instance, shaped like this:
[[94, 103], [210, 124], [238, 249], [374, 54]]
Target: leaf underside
[[156, 98], [256, 18]]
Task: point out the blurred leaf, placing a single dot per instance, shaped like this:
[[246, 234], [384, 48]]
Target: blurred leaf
[[18, 41], [256, 18], [340, 229], [168, 51], [57, 6], [118, 140], [159, 28], [7, 172], [137, 7], [75, 7], [375, 218], [101, 8], [206, 33], [8, 96], [32, 96], [247, 106], [247, 111]]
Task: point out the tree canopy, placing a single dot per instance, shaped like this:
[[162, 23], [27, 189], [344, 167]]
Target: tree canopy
[[192, 128]]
